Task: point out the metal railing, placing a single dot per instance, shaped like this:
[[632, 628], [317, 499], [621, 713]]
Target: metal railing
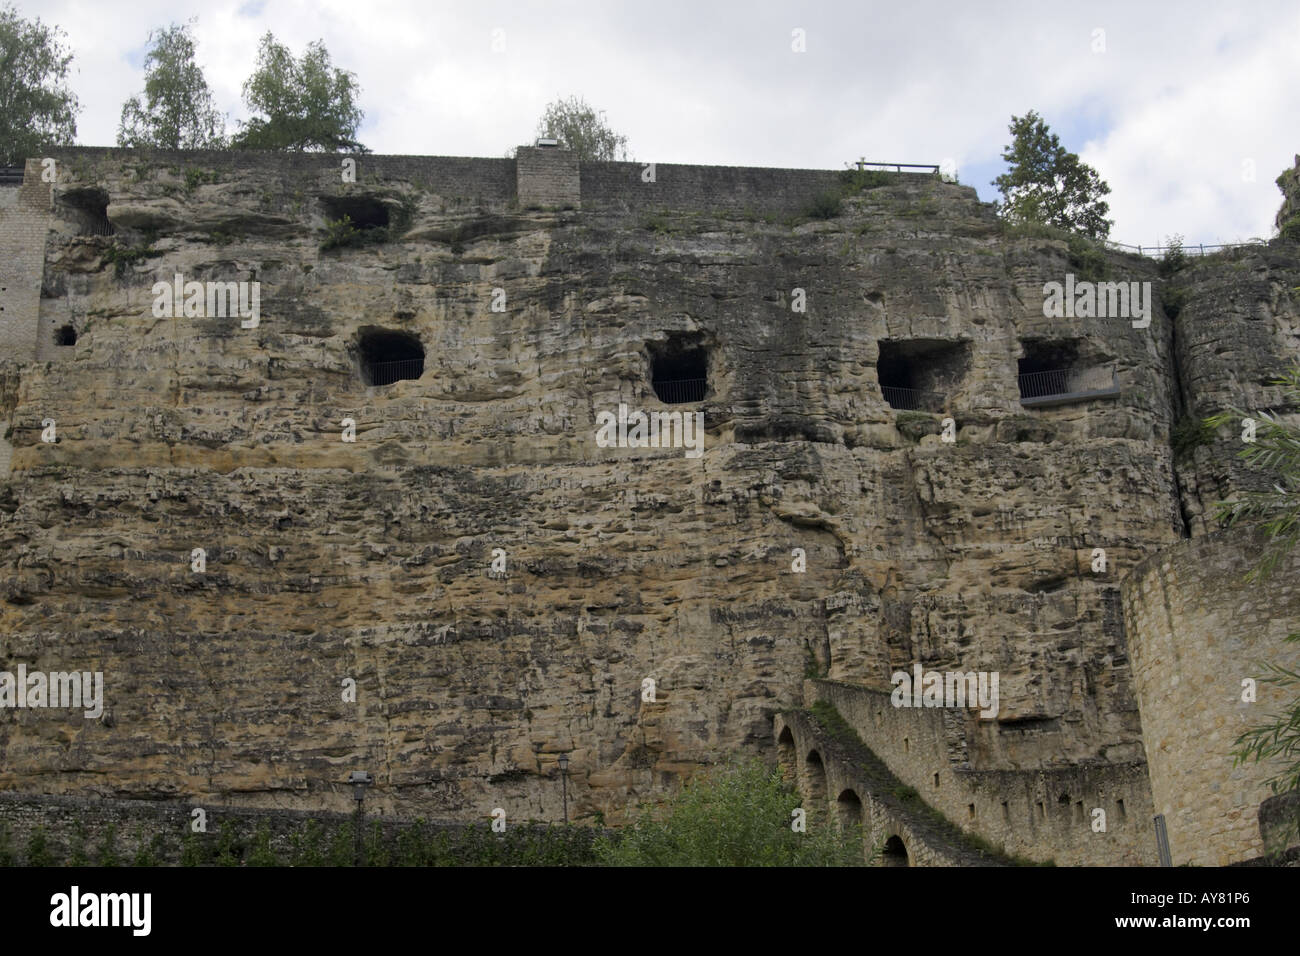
[[1199, 249], [1058, 386], [97, 227], [862, 164], [386, 373], [912, 399], [681, 391], [11, 175]]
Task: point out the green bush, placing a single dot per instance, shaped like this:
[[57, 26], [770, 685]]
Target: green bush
[[193, 851], [77, 847], [306, 845], [261, 854], [122, 256], [825, 205], [38, 850], [340, 233], [1087, 257], [1175, 259], [738, 815], [228, 851], [107, 855], [147, 852], [854, 181], [1290, 231], [1189, 433]]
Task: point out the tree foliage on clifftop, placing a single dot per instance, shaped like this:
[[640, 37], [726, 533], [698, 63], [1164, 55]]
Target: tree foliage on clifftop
[[306, 103], [177, 111], [582, 129], [1048, 184], [36, 107]]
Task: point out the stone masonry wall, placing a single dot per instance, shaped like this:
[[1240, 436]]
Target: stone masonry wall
[[1197, 630], [23, 225], [548, 177], [1038, 814]]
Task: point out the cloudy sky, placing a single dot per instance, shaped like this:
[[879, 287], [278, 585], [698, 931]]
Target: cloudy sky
[[1189, 110]]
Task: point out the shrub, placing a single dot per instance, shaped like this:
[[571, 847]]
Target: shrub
[[340, 233], [1290, 231], [38, 850], [148, 852], [1189, 433], [825, 205], [261, 854], [855, 181], [107, 855], [1175, 259], [1087, 257], [738, 815]]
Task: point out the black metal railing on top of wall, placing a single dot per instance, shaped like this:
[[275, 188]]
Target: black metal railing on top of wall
[[386, 373], [912, 399], [1058, 383], [681, 391]]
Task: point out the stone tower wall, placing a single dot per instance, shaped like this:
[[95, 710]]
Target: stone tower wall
[[1196, 630]]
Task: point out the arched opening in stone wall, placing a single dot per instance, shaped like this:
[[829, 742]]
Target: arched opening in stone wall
[[679, 369], [848, 812], [65, 335], [894, 853], [785, 755], [921, 374], [386, 356], [814, 783]]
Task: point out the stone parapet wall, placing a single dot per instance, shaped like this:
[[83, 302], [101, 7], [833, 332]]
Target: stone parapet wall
[[1038, 814]]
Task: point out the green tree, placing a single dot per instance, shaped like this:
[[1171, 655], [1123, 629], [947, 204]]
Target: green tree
[[36, 107], [739, 815], [177, 110], [1276, 450], [582, 129], [306, 104], [1046, 184]]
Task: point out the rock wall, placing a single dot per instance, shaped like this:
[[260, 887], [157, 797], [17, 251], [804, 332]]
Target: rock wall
[[373, 561]]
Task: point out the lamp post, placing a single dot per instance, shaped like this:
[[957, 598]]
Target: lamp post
[[564, 784], [359, 779]]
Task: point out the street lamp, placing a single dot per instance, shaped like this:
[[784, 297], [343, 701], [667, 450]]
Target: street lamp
[[359, 779], [564, 783]]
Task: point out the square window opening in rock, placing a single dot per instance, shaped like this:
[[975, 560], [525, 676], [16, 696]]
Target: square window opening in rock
[[921, 374], [386, 356], [679, 371], [364, 212], [88, 208]]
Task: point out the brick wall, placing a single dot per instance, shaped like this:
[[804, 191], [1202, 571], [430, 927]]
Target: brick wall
[[1196, 630]]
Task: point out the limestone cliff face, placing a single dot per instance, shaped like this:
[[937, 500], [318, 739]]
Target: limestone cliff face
[[372, 560]]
